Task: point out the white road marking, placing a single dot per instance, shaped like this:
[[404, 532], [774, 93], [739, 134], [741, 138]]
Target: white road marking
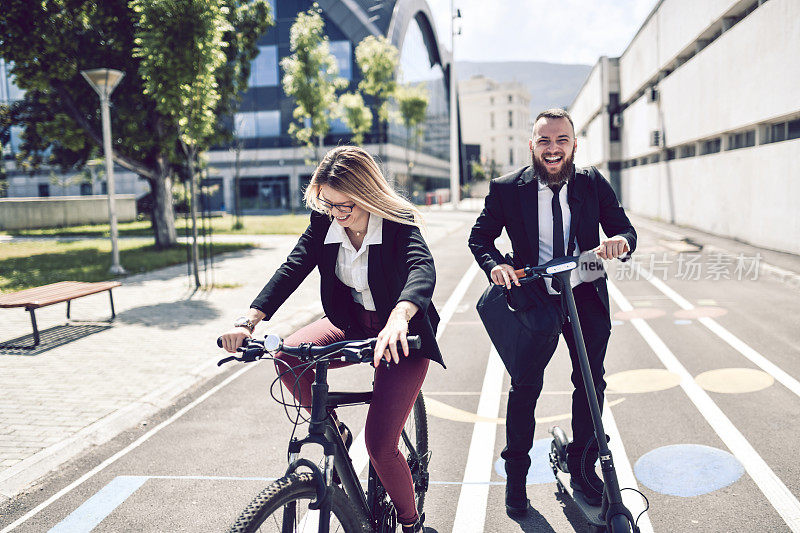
[[472, 501], [770, 485], [138, 442], [735, 342], [633, 501]]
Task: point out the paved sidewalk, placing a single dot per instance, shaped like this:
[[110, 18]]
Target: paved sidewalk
[[59, 402]]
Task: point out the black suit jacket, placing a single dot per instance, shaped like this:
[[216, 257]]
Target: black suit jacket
[[401, 268], [513, 203]]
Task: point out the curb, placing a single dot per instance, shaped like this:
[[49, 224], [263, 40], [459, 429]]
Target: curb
[[14, 480]]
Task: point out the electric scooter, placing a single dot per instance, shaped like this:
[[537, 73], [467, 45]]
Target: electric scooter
[[612, 515]]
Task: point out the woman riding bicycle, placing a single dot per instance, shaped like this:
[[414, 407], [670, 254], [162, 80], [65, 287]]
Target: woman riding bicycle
[[377, 279]]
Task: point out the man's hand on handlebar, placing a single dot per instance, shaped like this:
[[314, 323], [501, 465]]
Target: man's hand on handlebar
[[612, 247], [504, 274], [234, 338]]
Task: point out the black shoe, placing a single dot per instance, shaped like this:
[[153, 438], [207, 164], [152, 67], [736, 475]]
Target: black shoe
[[516, 498], [416, 526], [583, 477]]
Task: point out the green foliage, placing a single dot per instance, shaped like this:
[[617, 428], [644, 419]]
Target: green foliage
[[30, 264], [311, 77], [51, 41], [181, 48], [377, 58], [478, 172], [412, 101], [356, 115]]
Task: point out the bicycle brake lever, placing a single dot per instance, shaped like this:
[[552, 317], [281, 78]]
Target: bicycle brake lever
[[226, 360]]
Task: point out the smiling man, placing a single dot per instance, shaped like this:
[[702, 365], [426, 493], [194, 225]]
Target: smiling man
[[551, 209]]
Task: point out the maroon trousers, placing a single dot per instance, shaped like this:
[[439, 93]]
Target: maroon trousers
[[394, 392]]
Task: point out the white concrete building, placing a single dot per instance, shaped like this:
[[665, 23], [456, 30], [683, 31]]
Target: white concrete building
[[496, 116], [698, 122]]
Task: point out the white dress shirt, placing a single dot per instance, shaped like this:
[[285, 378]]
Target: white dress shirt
[[352, 266], [546, 230]]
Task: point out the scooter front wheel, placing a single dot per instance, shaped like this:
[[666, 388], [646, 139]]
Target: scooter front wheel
[[620, 524]]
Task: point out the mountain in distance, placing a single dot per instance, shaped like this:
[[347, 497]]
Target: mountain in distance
[[550, 84]]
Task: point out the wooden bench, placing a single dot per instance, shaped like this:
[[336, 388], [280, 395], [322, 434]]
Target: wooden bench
[[63, 291]]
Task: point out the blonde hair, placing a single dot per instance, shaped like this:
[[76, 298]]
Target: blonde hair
[[352, 171]]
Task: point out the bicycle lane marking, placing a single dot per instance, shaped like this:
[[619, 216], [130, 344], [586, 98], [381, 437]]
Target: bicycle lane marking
[[472, 501], [735, 342], [770, 485], [138, 442]]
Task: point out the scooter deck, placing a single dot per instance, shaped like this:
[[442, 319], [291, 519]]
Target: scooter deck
[[591, 512]]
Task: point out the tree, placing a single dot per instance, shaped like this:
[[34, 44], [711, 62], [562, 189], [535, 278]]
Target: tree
[[377, 58], [51, 41], [356, 115], [180, 44], [311, 77], [412, 102]]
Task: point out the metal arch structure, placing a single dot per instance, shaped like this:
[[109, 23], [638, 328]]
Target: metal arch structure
[[404, 12]]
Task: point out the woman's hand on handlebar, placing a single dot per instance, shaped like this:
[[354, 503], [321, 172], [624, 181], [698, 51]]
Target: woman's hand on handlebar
[[234, 338], [395, 330]]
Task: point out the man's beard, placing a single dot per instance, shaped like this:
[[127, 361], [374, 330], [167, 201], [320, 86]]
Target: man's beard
[[560, 177]]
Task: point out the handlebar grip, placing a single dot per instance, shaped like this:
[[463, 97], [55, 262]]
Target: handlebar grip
[[219, 342]]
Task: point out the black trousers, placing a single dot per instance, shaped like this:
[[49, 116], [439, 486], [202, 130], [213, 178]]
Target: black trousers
[[525, 390]]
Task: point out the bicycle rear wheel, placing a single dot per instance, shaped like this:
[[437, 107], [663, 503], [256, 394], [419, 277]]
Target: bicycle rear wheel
[[283, 507], [416, 450]]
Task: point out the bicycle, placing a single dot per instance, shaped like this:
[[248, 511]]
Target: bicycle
[[331, 507]]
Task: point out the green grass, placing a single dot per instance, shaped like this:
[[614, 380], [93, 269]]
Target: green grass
[[34, 263], [253, 225]]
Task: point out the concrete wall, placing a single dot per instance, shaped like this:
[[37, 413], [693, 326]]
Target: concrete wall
[[29, 213], [670, 28], [751, 194], [750, 74]]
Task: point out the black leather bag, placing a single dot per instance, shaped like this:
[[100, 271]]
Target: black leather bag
[[518, 333]]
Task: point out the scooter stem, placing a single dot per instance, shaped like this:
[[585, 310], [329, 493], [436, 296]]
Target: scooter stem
[[606, 460]]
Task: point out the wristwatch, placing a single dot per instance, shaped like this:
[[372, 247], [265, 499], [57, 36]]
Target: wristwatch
[[244, 322]]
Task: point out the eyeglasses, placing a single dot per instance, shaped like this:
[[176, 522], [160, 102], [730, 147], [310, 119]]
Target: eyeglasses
[[343, 208]]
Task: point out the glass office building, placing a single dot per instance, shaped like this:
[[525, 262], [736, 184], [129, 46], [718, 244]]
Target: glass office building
[[272, 169]]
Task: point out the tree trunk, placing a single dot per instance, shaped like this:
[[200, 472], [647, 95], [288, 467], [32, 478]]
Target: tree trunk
[[193, 210], [163, 211]]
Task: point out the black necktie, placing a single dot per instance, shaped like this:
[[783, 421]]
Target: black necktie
[[558, 224]]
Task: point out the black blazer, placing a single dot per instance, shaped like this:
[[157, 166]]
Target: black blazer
[[401, 268], [513, 203]]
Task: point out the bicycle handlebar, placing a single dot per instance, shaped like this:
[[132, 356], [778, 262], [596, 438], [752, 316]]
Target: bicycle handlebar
[[353, 351]]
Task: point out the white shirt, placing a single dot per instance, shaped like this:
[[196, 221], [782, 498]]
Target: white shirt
[[546, 229], [352, 266]]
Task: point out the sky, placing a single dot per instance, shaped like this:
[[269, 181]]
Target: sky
[[554, 31]]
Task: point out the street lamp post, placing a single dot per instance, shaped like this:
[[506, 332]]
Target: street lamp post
[[104, 81], [455, 162]]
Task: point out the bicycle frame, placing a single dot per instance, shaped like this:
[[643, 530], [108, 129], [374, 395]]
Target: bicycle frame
[[322, 432]]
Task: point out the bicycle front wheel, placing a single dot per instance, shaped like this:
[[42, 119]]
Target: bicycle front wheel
[[283, 507], [415, 449]]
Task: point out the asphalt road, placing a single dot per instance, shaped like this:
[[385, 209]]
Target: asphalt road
[[702, 405]]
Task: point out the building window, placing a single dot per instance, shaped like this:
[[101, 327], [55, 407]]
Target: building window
[[338, 126], [255, 124], [341, 50], [670, 154], [44, 189], [711, 147], [794, 129], [778, 132], [86, 189], [491, 100], [510, 119], [688, 150], [491, 120], [510, 156], [264, 68], [510, 99]]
